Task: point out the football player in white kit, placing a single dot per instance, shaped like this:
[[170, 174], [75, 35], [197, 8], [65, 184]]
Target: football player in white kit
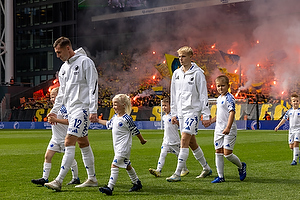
[[171, 140], [188, 101], [123, 128], [57, 143], [78, 79], [225, 131], [293, 115]]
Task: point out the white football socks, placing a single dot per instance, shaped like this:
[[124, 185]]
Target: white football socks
[[114, 173], [296, 153], [220, 164], [66, 163], [182, 157], [199, 155], [88, 160], [74, 169], [235, 160], [46, 170], [161, 160], [132, 175]]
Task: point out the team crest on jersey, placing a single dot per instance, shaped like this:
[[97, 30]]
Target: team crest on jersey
[[120, 124], [222, 102], [63, 73], [177, 77], [76, 70], [191, 82]]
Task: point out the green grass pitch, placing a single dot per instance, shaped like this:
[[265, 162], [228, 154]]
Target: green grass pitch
[[268, 158]]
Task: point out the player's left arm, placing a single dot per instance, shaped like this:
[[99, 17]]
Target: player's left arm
[[133, 129], [229, 123], [141, 138], [92, 82], [203, 97]]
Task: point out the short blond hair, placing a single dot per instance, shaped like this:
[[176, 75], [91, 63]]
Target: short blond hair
[[54, 90], [123, 98], [186, 49]]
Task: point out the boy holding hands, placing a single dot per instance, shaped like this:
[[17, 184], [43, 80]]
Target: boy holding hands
[[171, 140], [293, 115], [225, 131]]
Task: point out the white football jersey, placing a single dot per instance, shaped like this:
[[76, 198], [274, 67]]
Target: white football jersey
[[171, 135], [225, 104], [59, 131], [293, 115], [189, 93], [78, 79], [123, 128]]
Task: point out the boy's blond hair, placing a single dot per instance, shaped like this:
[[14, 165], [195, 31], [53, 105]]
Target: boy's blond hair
[[223, 78], [187, 50], [123, 98], [54, 90]]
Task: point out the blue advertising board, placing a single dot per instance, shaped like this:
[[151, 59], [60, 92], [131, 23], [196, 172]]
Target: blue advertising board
[[241, 124]]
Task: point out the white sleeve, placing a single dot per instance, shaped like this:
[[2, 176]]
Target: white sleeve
[[173, 104], [92, 82], [59, 98], [202, 91]]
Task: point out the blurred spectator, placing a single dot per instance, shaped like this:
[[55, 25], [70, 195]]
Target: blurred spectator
[[267, 116]]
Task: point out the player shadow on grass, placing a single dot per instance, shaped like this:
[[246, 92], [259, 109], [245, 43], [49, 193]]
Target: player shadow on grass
[[275, 180], [190, 191]]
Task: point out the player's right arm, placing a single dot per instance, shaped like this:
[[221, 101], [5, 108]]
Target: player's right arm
[[102, 121], [280, 124], [53, 120], [173, 103], [174, 120], [61, 92]]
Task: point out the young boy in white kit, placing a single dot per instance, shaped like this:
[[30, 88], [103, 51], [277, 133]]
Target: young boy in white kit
[[225, 131], [57, 143], [171, 140], [123, 128], [293, 115]]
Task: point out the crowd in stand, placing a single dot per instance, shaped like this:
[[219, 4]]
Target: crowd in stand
[[149, 100]]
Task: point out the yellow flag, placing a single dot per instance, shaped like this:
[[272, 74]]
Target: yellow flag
[[172, 62]]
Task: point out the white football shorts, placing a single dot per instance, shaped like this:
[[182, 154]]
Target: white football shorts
[[189, 125], [121, 162], [78, 123]]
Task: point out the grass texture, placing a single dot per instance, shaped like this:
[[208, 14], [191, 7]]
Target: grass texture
[[266, 153]]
